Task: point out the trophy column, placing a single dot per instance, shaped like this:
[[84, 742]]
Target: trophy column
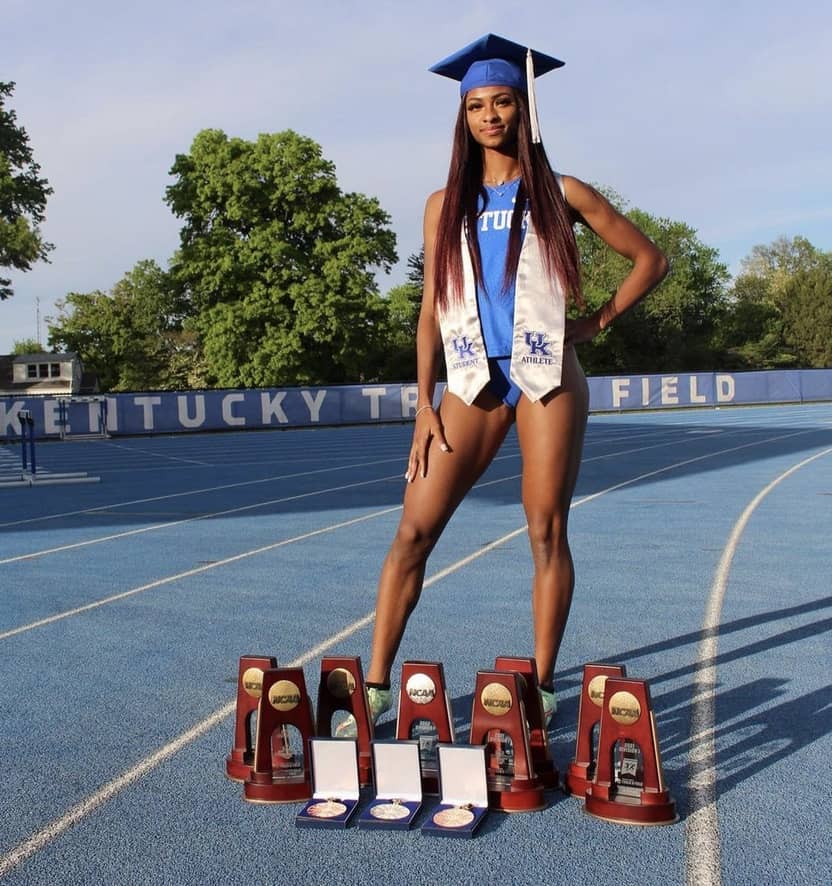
[[499, 715], [342, 689], [628, 785], [423, 697], [284, 702], [591, 704], [544, 766]]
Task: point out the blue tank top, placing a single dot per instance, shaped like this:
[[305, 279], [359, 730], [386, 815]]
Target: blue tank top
[[496, 304]]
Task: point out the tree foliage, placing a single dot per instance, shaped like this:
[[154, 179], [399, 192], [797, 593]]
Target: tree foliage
[[132, 336], [764, 324], [23, 195], [276, 263], [671, 329], [807, 313], [26, 346], [398, 361]]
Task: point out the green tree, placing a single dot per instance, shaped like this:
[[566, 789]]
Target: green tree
[[23, 195], [774, 265], [671, 329], [807, 314], [26, 346], [753, 332], [416, 268], [398, 361], [133, 337], [277, 263]]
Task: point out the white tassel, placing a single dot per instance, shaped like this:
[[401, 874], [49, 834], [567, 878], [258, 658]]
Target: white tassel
[[532, 100]]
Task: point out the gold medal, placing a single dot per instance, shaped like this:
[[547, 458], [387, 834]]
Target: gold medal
[[457, 817], [327, 809], [390, 811]]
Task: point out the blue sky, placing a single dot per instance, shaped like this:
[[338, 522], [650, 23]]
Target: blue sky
[[718, 114]]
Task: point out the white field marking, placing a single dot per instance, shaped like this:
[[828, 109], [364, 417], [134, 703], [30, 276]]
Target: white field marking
[[155, 526], [702, 845], [78, 812], [195, 571], [106, 793], [192, 461], [168, 495], [164, 525], [60, 616]]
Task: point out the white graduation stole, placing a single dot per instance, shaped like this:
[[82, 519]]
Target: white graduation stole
[[539, 322]]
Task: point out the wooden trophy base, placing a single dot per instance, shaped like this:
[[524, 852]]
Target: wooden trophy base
[[646, 809], [282, 791], [238, 765]]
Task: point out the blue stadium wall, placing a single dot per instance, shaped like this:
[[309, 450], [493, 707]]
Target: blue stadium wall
[[171, 412]]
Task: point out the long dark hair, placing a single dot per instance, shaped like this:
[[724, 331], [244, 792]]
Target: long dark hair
[[549, 213]]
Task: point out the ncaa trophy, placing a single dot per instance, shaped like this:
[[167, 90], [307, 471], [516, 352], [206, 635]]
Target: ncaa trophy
[[249, 688], [425, 715], [282, 777], [591, 703], [342, 689], [628, 786], [544, 766], [498, 721]]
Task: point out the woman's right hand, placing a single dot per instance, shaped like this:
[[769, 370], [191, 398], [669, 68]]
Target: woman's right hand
[[428, 426]]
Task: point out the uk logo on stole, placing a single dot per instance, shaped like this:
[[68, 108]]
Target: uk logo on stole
[[539, 348], [466, 352]]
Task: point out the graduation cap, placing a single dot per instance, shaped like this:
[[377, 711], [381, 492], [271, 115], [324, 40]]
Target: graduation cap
[[496, 61]]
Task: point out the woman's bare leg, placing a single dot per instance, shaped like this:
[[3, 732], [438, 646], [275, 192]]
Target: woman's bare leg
[[474, 434], [551, 434]]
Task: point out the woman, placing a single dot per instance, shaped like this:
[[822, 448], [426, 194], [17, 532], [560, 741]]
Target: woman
[[497, 282]]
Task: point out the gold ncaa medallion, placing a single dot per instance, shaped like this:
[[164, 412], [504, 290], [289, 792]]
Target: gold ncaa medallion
[[420, 689], [595, 690], [284, 696], [496, 699], [389, 811], [326, 809], [340, 683], [453, 818], [624, 708], [253, 682]]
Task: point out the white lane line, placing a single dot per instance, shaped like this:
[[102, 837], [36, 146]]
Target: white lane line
[[206, 489], [60, 616], [164, 525], [156, 526], [78, 812], [106, 793], [702, 845], [150, 452]]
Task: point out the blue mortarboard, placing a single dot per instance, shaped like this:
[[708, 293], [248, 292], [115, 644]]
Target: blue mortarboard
[[495, 61]]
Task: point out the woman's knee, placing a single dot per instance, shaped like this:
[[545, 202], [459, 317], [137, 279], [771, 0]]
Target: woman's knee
[[412, 543], [547, 537]]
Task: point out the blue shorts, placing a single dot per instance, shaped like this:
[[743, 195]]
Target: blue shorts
[[500, 384]]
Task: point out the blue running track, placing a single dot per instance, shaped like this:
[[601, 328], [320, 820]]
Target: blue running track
[[702, 549]]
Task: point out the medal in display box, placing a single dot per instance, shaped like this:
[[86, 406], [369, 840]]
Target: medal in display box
[[463, 793], [335, 789], [398, 783]]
